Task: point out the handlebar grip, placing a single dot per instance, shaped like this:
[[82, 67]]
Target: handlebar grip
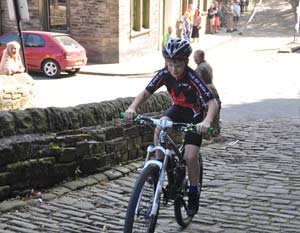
[[209, 130], [122, 114]]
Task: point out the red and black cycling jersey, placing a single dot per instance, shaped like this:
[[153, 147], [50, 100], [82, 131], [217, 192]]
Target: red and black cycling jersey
[[190, 91]]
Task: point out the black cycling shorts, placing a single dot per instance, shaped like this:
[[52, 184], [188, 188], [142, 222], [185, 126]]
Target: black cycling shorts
[[186, 115]]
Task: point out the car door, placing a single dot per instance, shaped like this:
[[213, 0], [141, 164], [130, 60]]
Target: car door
[[34, 50]]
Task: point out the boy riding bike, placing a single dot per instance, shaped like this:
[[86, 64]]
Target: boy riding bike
[[189, 96]]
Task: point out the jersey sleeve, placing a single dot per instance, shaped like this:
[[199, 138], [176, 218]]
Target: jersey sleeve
[[157, 81], [202, 90]]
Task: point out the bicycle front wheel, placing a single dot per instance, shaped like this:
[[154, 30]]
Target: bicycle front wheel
[[181, 201], [138, 217]]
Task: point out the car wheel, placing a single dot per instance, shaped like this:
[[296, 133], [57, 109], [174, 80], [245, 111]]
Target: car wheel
[[51, 68], [73, 72]]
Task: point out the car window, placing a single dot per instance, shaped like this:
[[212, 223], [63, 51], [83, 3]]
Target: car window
[[67, 41], [33, 40], [10, 37]]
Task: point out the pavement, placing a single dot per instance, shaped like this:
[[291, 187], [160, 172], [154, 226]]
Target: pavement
[[154, 60], [148, 64]]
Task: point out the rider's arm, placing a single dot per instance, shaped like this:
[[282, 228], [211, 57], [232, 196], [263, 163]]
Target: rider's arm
[[211, 113], [139, 99]]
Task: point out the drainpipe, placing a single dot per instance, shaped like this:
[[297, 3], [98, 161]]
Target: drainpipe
[[0, 18], [297, 25]]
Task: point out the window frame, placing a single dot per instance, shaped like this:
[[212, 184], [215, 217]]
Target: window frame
[[46, 20], [140, 17]]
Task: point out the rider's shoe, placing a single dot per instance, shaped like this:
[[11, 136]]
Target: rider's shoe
[[193, 204]]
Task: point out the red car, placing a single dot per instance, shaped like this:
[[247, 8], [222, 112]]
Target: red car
[[49, 52]]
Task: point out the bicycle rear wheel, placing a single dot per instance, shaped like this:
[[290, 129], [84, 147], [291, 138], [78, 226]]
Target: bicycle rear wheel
[[181, 201], [138, 217]]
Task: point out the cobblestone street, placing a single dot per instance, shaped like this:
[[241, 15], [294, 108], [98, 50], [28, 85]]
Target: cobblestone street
[[251, 184]]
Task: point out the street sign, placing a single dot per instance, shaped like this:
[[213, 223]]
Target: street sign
[[21, 7]]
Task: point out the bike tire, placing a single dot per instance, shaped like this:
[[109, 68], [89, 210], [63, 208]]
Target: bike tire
[[145, 186], [181, 201]]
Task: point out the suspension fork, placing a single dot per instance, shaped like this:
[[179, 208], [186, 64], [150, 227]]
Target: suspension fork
[[162, 174], [160, 184]]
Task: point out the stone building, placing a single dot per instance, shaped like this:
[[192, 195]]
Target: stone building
[[111, 31]]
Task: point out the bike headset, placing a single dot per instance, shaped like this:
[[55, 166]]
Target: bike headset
[[177, 49]]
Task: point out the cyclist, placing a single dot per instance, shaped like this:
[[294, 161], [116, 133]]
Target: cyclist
[[190, 96]]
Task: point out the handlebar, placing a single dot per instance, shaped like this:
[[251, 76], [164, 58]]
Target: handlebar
[[186, 127]]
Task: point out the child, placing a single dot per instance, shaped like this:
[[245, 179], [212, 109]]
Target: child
[[188, 91]]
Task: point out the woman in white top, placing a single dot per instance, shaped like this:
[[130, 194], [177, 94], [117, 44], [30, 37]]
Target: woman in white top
[[236, 14], [11, 62]]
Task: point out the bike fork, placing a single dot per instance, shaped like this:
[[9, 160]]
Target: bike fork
[[157, 193]]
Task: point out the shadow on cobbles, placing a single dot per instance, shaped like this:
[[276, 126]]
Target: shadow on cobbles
[[266, 109]]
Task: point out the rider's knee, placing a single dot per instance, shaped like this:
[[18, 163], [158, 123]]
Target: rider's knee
[[191, 157]]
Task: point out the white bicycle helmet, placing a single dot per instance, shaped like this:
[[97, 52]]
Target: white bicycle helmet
[[177, 49]]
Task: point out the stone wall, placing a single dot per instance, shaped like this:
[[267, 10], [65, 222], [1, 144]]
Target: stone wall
[[42, 147], [16, 92]]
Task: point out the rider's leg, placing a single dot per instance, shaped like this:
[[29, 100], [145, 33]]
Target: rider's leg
[[192, 162], [193, 167], [191, 157]]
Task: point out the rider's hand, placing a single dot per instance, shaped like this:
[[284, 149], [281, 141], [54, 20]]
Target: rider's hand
[[203, 127], [130, 113]]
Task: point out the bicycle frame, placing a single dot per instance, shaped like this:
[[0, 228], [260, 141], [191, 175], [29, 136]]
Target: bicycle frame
[[163, 139], [173, 166]]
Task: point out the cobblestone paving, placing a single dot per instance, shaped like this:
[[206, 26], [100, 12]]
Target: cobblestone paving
[[252, 184]]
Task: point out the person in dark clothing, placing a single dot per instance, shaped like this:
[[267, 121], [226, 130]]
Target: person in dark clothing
[[203, 68]]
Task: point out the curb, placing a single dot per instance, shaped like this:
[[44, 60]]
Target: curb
[[290, 47], [132, 75], [63, 188]]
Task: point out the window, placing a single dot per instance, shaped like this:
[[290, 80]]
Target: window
[[67, 41], [8, 38], [34, 41], [57, 15], [141, 14]]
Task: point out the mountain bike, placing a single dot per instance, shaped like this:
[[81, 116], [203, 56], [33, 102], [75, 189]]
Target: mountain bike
[[167, 179]]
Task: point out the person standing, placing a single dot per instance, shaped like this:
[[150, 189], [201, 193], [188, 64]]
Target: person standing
[[229, 16], [186, 30], [211, 17], [167, 36], [236, 14], [196, 26], [217, 16], [242, 5], [178, 27], [11, 62], [203, 68], [246, 5]]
